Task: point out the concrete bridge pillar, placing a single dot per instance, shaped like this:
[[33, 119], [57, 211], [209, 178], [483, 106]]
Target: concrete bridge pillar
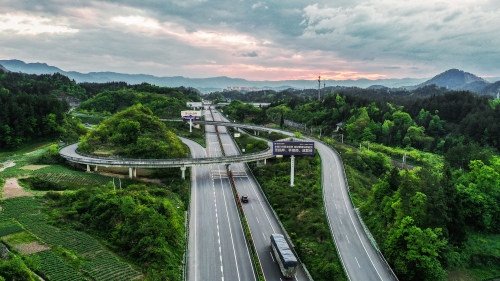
[[135, 172], [265, 162], [183, 170], [95, 168], [130, 173], [88, 168]]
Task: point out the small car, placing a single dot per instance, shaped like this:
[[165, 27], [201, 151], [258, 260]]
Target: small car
[[244, 198]]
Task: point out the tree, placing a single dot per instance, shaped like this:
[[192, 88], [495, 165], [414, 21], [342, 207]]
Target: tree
[[414, 252]]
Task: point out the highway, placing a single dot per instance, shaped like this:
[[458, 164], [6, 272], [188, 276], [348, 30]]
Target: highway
[[217, 249], [259, 216], [360, 258]]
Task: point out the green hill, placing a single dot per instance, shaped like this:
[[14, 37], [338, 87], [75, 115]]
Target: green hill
[[133, 133]]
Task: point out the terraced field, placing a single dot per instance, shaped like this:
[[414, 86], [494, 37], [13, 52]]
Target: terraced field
[[23, 213]]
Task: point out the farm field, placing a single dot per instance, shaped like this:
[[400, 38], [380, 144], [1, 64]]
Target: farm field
[[67, 178], [83, 256]]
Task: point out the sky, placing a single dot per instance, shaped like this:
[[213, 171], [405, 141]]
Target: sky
[[256, 40]]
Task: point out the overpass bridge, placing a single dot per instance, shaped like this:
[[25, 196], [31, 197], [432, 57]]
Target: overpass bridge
[[71, 154]]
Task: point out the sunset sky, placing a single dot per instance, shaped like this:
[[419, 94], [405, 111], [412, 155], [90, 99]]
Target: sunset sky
[[256, 40]]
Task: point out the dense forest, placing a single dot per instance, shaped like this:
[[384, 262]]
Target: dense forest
[[436, 123], [32, 111], [430, 222], [133, 133], [35, 106]]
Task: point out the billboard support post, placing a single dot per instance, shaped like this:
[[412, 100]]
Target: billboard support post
[[293, 148], [190, 125]]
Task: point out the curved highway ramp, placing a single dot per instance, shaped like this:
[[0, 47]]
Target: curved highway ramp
[[361, 260]]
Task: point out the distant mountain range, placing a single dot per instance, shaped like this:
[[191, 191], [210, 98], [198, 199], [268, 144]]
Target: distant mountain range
[[452, 79], [459, 80]]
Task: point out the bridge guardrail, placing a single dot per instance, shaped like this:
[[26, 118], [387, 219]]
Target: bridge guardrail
[[156, 163]]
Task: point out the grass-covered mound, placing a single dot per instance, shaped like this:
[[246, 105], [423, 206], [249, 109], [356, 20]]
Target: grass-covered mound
[[133, 133]]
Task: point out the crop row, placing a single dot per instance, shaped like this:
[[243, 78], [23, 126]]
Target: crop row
[[105, 266], [76, 241], [9, 228], [62, 175], [54, 268], [75, 178], [19, 207]]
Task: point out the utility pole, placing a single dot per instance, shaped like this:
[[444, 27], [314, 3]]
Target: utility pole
[[319, 88]]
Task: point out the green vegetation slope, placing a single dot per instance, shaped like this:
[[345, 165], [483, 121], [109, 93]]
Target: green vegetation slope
[[133, 133]]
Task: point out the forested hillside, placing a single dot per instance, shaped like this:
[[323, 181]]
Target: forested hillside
[[428, 119], [437, 221], [31, 110], [164, 102]]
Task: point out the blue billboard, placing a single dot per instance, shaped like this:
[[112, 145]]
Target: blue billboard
[[305, 148]]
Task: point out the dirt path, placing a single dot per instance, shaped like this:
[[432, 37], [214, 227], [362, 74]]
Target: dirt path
[[7, 164], [12, 189]]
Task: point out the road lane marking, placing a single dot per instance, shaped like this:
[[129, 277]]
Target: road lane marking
[[272, 256], [230, 228], [260, 202], [257, 220], [218, 233], [357, 262], [352, 220], [347, 239], [264, 236], [194, 225]]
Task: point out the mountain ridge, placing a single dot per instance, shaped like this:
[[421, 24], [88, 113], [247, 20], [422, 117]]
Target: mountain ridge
[[452, 79], [218, 83]]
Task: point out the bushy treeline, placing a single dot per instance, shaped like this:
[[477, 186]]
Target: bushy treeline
[[142, 223], [436, 123], [31, 110], [45, 84], [164, 102], [427, 220], [134, 133]]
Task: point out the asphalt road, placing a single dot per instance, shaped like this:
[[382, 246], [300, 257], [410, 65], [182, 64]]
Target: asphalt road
[[359, 257], [259, 216], [361, 260], [217, 247]]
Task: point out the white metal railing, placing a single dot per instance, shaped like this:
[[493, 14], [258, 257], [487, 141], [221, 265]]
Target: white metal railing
[[71, 154]]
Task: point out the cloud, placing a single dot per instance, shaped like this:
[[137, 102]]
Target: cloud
[[28, 24], [250, 55], [137, 21], [442, 33], [256, 39], [260, 5]]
